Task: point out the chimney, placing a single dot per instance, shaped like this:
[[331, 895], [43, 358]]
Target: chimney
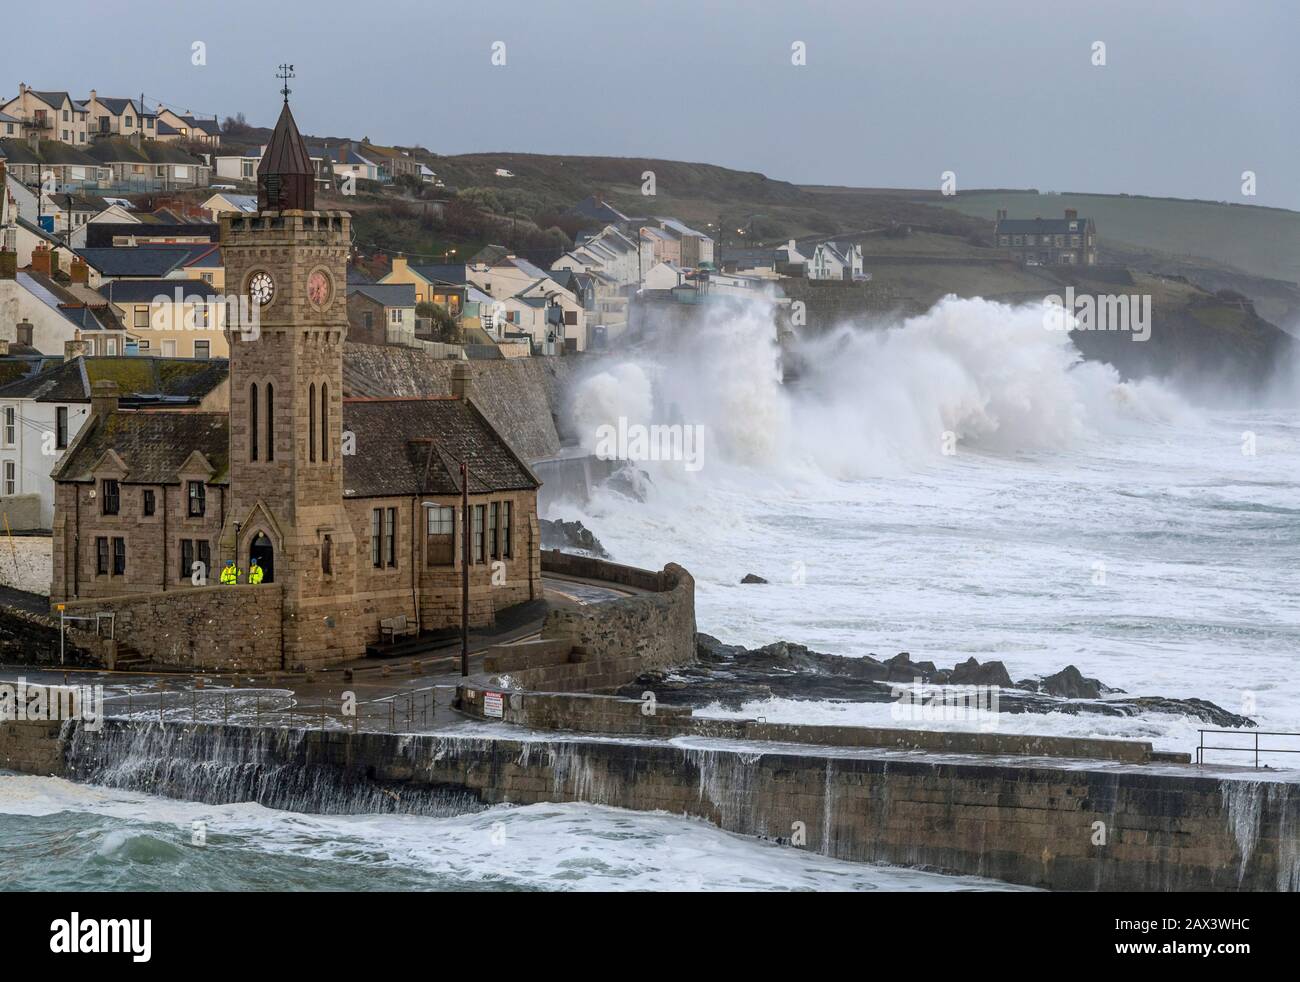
[[103, 397], [24, 332], [8, 265], [74, 349], [41, 257], [34, 141], [399, 264], [461, 380], [22, 88], [80, 272], [1071, 214], [93, 95]]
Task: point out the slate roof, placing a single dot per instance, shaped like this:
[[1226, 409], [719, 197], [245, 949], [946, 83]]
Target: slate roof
[[117, 150], [153, 445], [145, 291], [138, 378], [595, 208], [413, 446], [387, 294], [85, 318], [142, 261], [451, 273], [1046, 226]]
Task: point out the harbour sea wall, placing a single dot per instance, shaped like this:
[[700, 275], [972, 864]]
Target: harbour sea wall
[[1053, 823]]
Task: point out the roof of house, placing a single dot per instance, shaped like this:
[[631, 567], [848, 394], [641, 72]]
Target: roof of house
[[414, 446], [6, 118], [145, 291], [117, 150], [87, 318], [138, 379], [594, 207], [119, 106], [452, 274], [153, 445], [244, 202], [143, 261], [54, 100], [1014, 226], [387, 294], [100, 235], [24, 360]]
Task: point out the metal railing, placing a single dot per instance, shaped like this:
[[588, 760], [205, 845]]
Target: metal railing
[[1256, 749], [402, 712]]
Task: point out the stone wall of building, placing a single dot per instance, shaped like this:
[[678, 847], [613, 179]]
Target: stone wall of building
[[213, 628], [153, 542]]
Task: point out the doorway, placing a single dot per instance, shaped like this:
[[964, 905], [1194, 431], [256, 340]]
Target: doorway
[[262, 551]]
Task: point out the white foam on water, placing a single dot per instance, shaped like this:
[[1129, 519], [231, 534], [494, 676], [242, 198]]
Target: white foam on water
[[1083, 519]]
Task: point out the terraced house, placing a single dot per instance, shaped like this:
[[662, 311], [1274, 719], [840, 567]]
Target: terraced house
[[1067, 241]]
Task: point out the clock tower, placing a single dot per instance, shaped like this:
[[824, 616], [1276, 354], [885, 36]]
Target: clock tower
[[287, 264]]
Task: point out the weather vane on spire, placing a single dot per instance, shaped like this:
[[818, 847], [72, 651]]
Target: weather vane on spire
[[285, 73]]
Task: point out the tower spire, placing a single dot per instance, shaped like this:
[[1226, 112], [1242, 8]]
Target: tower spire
[[286, 177]]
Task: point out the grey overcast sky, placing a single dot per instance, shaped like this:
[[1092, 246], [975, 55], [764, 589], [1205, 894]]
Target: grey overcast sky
[[1002, 92]]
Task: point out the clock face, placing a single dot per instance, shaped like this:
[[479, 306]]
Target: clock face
[[261, 288], [318, 288]]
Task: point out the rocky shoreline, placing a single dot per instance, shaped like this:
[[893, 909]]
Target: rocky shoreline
[[732, 675]]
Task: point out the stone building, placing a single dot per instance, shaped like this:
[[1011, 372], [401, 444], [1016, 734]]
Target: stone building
[[352, 507], [1068, 241]]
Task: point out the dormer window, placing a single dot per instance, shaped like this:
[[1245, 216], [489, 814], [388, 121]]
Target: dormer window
[[197, 499]]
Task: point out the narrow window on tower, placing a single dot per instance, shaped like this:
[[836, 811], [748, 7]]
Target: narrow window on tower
[[324, 421], [311, 423], [270, 421], [252, 421]]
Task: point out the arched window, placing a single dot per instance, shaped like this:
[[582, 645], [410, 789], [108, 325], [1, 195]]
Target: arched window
[[270, 421], [252, 421], [311, 423], [324, 421]]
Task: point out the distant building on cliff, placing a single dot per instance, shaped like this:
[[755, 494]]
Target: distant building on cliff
[[1068, 241]]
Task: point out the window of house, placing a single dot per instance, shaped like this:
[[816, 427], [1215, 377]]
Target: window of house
[[119, 557], [478, 533], [440, 536], [205, 555], [327, 556], [376, 521], [101, 556], [144, 344], [395, 315], [198, 499], [11, 477], [390, 536], [368, 319], [149, 502], [61, 427], [494, 514], [169, 349], [202, 348], [108, 500], [506, 549], [187, 558], [11, 426], [111, 346]]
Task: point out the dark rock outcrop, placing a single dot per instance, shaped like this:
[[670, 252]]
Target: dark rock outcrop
[[571, 537], [753, 578], [733, 675]]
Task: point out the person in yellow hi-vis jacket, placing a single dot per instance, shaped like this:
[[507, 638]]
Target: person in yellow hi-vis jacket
[[254, 572], [230, 572]]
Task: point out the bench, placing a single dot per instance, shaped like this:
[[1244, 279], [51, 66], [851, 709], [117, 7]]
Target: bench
[[392, 628]]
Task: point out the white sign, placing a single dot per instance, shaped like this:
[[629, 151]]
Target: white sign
[[493, 705]]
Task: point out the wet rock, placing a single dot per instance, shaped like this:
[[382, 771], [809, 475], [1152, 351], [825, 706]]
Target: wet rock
[[571, 537], [1070, 683], [971, 672], [753, 578], [629, 481]]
